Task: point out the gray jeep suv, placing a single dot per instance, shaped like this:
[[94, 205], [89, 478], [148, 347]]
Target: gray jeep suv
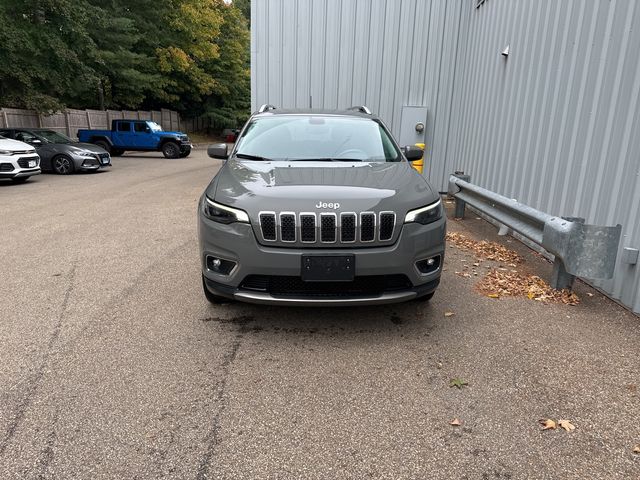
[[319, 208]]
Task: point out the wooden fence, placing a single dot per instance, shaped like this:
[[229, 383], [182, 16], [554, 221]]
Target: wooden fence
[[70, 121]]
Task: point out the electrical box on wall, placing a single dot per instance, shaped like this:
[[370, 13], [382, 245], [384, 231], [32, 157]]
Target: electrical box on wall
[[413, 125]]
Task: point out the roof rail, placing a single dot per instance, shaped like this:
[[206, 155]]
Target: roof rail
[[360, 108], [266, 107]]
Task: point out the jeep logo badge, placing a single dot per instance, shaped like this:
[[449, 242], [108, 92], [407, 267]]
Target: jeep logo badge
[[335, 205]]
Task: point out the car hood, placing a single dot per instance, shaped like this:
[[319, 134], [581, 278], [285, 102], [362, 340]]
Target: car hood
[[172, 134], [304, 186], [86, 146], [15, 145]]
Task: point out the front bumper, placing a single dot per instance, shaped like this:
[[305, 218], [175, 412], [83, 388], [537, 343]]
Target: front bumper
[[237, 243], [91, 162], [16, 166]]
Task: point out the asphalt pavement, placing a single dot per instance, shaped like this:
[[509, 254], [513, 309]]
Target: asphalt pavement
[[113, 365]]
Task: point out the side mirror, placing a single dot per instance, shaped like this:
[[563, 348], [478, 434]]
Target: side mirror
[[218, 150], [413, 153]]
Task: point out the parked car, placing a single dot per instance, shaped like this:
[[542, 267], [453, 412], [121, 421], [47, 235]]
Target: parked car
[[138, 135], [18, 161], [319, 208], [59, 153]]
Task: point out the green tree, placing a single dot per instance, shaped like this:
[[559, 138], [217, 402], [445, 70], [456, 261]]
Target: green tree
[[190, 55], [41, 48]]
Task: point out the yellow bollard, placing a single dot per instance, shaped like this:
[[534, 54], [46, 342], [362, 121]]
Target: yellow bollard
[[419, 164]]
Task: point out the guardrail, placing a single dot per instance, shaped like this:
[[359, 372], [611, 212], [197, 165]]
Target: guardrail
[[580, 250]]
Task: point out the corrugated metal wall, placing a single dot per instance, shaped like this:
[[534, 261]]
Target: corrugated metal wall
[[555, 125], [381, 53]]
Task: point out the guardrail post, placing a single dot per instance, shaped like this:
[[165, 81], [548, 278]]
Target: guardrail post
[[560, 278], [460, 204]]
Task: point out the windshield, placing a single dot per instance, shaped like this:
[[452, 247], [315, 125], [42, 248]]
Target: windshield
[[54, 137], [154, 127], [316, 137]]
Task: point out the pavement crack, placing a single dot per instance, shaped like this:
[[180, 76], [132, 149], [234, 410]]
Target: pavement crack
[[36, 379], [213, 437]]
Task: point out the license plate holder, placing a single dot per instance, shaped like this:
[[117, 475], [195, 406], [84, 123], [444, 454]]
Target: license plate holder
[[328, 268]]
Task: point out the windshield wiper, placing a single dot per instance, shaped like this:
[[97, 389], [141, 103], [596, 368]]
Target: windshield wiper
[[246, 156]]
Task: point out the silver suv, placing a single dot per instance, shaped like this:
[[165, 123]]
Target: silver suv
[[319, 208]]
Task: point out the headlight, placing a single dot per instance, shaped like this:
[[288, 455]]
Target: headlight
[[223, 214], [424, 215]]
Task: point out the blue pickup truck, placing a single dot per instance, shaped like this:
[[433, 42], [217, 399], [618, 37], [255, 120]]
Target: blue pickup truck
[[138, 135]]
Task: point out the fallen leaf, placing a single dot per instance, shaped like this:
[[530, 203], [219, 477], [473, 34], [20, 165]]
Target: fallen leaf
[[458, 383], [455, 422], [636, 449], [589, 294], [449, 314], [548, 424], [504, 284], [567, 425], [483, 249], [493, 295]]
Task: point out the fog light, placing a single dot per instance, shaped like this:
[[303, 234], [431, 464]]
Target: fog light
[[220, 265], [428, 265]]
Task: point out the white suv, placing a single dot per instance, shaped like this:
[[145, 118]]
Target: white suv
[[18, 160]]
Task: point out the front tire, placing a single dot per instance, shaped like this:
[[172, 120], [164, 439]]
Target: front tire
[[19, 179], [62, 165], [171, 150], [185, 153], [213, 298]]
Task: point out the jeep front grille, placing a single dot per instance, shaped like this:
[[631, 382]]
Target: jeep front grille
[[327, 228]]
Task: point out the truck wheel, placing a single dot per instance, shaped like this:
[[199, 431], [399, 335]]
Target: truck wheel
[[185, 153], [214, 299], [171, 150], [116, 152], [62, 165], [103, 145]]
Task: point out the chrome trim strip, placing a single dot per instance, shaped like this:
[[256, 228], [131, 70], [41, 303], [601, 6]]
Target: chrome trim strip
[[315, 226], [355, 226], [295, 233], [267, 299], [275, 225], [335, 226], [373, 239], [393, 230]]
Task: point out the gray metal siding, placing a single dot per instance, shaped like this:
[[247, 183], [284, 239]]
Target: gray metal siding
[[381, 53], [555, 125]]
